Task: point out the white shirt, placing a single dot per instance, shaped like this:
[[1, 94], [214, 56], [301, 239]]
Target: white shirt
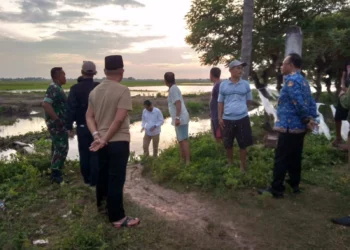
[[151, 119], [175, 95]]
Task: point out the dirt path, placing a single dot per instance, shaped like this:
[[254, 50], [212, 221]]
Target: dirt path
[[185, 208]]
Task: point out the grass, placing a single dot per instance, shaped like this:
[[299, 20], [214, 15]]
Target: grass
[[302, 222], [36, 85], [66, 215]]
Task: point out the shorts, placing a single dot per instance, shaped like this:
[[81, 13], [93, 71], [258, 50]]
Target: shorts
[[341, 114], [181, 132], [215, 127], [241, 130]]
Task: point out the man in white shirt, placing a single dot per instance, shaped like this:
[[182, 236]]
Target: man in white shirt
[[179, 115], [152, 120]]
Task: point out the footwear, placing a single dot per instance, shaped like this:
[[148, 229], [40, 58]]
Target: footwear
[[127, 223], [296, 189], [345, 221], [273, 192]]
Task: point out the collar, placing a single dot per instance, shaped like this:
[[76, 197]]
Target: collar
[[85, 80], [172, 86], [237, 83], [53, 83]]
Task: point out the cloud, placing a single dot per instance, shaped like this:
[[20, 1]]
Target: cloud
[[45, 11], [32, 11], [86, 43], [72, 14], [96, 3]]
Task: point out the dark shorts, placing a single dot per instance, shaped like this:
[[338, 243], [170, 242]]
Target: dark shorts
[[341, 114], [215, 128], [241, 130]]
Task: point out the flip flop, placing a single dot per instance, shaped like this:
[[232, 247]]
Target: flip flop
[[126, 223]]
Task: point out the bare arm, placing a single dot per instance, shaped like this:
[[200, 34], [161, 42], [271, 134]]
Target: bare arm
[[49, 110], [116, 124], [178, 108], [220, 110], [90, 119]]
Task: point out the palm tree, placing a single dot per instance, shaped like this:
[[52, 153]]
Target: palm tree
[[247, 37]]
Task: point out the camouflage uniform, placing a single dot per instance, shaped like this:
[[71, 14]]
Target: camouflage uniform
[[59, 134]]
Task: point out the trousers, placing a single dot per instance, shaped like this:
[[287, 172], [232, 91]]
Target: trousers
[[88, 159], [288, 158], [59, 148], [113, 160], [147, 140]]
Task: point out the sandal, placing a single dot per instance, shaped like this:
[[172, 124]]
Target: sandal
[[126, 223]]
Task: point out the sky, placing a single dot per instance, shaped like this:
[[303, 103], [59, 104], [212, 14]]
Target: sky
[[36, 35]]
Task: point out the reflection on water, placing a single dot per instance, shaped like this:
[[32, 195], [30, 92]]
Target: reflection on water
[[23, 126], [167, 137], [141, 90]]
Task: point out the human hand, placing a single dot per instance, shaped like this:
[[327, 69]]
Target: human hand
[[97, 144], [222, 124], [311, 125], [153, 128], [71, 133], [177, 122], [59, 124]]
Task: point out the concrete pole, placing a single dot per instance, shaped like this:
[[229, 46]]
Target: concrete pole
[[294, 40]]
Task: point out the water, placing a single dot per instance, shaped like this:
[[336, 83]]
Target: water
[[168, 136], [142, 90]]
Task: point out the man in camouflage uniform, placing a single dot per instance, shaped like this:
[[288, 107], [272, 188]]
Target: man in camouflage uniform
[[55, 106]]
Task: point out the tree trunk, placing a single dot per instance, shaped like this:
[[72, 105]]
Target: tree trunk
[[318, 85], [247, 37]]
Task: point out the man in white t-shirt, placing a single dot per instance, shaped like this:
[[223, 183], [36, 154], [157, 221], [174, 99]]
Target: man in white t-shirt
[[152, 120], [179, 115]]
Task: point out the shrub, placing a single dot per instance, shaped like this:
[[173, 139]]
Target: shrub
[[208, 169]]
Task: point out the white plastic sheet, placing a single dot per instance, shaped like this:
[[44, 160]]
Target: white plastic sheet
[[269, 108], [344, 126], [322, 128]]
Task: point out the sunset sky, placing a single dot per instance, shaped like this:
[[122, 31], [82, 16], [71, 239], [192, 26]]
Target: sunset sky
[[36, 35]]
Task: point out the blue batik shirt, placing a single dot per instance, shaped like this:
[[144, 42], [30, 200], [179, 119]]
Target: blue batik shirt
[[295, 105]]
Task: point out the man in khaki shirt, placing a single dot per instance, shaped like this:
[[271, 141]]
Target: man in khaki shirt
[[108, 121]]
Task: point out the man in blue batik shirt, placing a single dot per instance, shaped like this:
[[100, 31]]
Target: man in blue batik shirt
[[296, 112]]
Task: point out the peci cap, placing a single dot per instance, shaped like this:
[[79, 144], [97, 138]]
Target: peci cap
[[236, 63], [89, 67], [114, 62]]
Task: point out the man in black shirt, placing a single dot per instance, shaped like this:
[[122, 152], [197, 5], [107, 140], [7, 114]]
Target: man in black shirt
[[77, 107], [341, 113]]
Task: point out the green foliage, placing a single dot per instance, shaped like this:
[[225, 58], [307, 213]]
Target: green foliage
[[196, 107], [208, 169], [216, 31], [84, 238]]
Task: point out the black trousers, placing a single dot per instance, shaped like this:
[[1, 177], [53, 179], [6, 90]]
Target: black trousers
[[88, 159], [113, 159], [288, 157]]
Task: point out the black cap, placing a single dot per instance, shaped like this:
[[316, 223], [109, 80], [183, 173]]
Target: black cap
[[114, 62]]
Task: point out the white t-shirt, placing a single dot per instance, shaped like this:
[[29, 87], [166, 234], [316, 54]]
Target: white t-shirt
[[151, 120], [175, 95]]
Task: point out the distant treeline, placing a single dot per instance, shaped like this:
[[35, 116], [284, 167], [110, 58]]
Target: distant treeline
[[40, 79]]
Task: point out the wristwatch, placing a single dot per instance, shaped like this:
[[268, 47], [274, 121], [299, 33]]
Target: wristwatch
[[177, 117]]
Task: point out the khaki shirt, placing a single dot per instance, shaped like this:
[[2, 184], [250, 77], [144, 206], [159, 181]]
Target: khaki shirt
[[105, 100]]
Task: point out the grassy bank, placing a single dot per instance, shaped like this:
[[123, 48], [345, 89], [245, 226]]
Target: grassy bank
[[296, 222], [66, 216]]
